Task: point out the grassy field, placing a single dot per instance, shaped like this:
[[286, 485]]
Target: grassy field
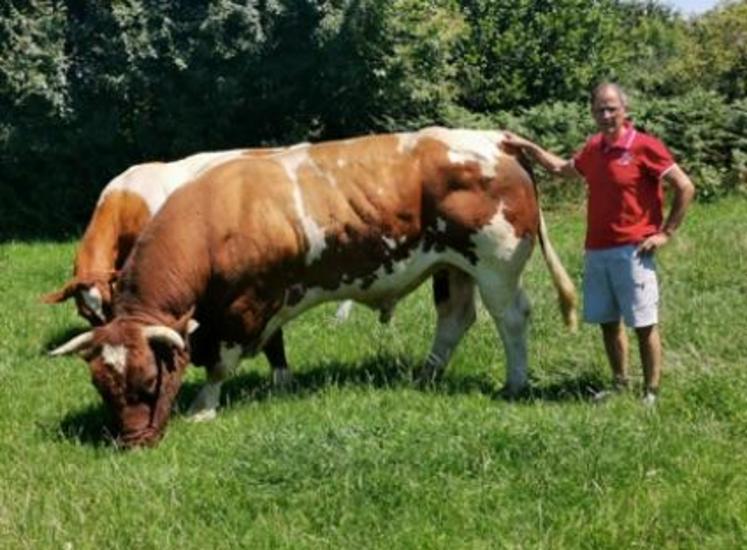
[[355, 457]]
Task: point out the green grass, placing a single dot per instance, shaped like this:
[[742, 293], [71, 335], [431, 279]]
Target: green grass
[[356, 457]]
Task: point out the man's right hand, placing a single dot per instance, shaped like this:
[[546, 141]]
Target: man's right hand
[[513, 140]]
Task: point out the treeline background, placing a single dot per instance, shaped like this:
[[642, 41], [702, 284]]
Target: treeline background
[[90, 87]]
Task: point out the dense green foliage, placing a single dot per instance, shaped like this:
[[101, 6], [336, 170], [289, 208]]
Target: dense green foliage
[[88, 88], [707, 136], [355, 457]]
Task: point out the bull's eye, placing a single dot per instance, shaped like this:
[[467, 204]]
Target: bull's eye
[[144, 391], [149, 385]]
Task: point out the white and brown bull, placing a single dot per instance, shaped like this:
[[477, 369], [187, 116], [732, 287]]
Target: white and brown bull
[[254, 243], [125, 206]]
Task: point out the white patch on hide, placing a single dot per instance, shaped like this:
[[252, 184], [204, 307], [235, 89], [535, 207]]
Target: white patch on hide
[[497, 239], [155, 181], [292, 163], [440, 225], [464, 145], [390, 242], [92, 298], [115, 357], [302, 145], [406, 141]]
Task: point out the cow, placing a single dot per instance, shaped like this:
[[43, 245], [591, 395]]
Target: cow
[[254, 243], [124, 207]]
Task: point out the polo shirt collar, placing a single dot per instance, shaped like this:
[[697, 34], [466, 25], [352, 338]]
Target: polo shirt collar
[[624, 142]]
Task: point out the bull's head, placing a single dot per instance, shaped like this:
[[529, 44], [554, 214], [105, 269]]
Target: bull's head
[[93, 297], [138, 371]]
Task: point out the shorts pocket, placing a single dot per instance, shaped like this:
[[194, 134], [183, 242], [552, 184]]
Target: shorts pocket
[[645, 283]]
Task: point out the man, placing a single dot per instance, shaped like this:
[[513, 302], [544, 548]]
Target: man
[[623, 169]]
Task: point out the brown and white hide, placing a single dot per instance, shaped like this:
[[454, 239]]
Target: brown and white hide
[[254, 243], [125, 206]]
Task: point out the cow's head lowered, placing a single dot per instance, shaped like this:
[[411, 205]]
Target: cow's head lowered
[[137, 369], [93, 296]]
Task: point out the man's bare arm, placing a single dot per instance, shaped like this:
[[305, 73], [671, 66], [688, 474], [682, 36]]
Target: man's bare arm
[[549, 161], [684, 190]]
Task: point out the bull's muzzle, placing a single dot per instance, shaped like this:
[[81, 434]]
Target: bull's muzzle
[[147, 437]]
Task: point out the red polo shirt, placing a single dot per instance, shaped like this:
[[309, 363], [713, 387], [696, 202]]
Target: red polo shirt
[[625, 194]]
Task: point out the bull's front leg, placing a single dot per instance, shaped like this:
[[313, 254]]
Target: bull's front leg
[[205, 405], [275, 352]]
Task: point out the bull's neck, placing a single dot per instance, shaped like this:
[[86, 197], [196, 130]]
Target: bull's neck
[[161, 290]]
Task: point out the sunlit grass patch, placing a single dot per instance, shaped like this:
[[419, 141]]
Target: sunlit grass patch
[[355, 456]]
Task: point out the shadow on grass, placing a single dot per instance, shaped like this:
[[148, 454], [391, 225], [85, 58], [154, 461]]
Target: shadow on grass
[[381, 371], [390, 371], [582, 387], [91, 425]]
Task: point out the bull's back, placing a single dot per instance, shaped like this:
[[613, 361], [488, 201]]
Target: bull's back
[[117, 221]]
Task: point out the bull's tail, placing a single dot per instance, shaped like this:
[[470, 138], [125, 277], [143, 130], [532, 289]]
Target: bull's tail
[[566, 290], [563, 284]]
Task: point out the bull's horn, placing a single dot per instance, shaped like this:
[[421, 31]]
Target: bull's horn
[[192, 326], [80, 342], [164, 334]]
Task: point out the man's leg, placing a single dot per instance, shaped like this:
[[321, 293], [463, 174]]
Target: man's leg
[[649, 346], [616, 346]]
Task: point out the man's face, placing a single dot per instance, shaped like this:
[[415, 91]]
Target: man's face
[[608, 112]]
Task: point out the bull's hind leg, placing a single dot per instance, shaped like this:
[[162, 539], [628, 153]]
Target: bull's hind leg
[[509, 308], [454, 296]]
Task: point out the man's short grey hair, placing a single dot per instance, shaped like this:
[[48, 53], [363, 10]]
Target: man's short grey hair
[[609, 85]]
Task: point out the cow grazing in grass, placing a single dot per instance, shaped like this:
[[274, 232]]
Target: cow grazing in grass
[[124, 207], [252, 244]]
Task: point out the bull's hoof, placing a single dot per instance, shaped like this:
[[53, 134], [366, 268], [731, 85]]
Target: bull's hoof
[[282, 379], [343, 312], [511, 392], [205, 415], [428, 377]]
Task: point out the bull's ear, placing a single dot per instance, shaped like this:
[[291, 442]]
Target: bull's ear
[[79, 343], [165, 335], [61, 295]]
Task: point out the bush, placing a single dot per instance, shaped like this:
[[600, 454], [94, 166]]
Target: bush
[[707, 135], [88, 88]]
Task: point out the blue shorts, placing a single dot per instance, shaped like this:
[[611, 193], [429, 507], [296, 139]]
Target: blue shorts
[[620, 283]]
